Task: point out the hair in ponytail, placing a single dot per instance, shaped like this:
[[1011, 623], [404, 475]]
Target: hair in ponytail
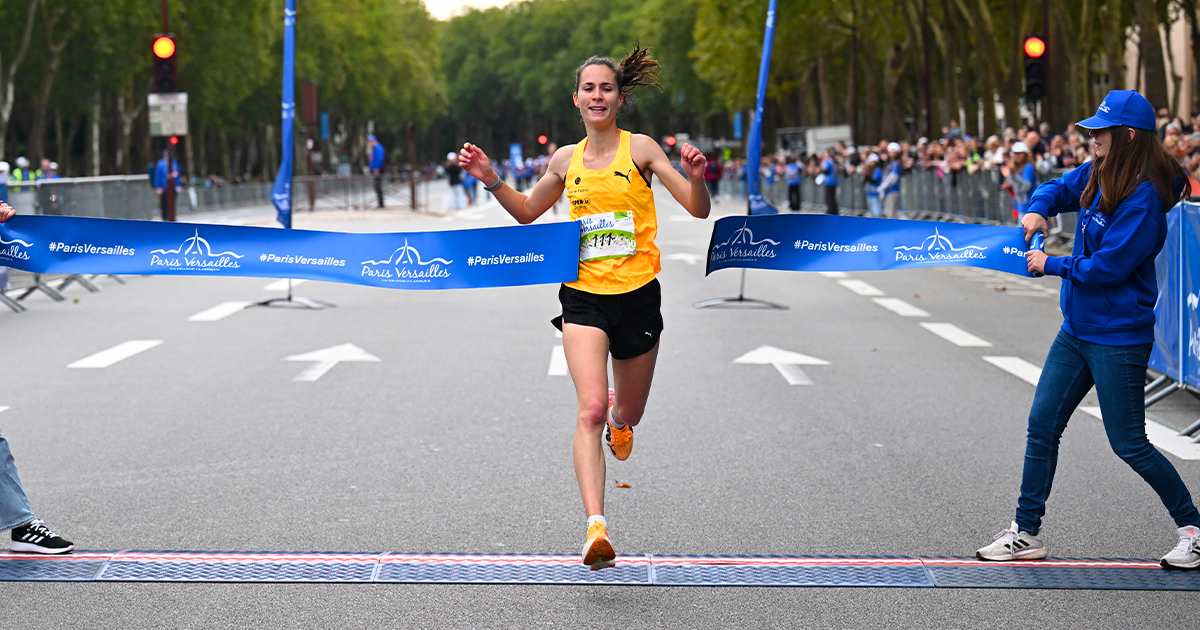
[[636, 69]]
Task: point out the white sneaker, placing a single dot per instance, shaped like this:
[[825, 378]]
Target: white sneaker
[[1012, 544], [1186, 555]]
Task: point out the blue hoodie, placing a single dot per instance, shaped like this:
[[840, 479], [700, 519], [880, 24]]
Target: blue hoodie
[[1109, 287]]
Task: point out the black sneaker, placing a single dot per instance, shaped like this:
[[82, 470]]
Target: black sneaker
[[35, 537]]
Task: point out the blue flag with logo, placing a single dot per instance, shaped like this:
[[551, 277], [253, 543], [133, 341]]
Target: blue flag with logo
[[281, 193], [451, 259], [758, 205], [818, 242]]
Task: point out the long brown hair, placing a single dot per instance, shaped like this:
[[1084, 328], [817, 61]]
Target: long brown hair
[[1128, 163], [637, 68]]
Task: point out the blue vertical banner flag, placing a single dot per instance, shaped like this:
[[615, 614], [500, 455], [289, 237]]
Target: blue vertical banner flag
[[758, 205], [281, 193]]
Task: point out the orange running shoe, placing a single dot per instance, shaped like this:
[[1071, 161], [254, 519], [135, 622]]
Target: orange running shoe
[[597, 551], [620, 441]]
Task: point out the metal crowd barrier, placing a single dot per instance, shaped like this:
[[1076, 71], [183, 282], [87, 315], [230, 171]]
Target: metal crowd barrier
[[924, 195]]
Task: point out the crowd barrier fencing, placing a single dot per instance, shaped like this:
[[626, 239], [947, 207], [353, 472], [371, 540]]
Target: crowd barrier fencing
[[1176, 354], [132, 197]]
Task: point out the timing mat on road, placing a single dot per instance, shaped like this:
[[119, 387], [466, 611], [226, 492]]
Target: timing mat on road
[[637, 570]]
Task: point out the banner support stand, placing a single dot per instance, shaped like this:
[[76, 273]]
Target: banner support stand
[[282, 192], [753, 154], [295, 302]]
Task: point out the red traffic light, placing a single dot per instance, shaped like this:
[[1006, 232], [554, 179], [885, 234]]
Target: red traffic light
[[1035, 47], [542, 139], [670, 141], [164, 47], [174, 140]]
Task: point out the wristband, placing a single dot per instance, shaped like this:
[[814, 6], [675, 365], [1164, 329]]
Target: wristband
[[494, 185]]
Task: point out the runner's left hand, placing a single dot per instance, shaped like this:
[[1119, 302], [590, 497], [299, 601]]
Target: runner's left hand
[[6, 212], [1036, 260], [692, 161]]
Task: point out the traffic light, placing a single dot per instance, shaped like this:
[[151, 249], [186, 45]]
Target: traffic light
[[1035, 69], [164, 65]]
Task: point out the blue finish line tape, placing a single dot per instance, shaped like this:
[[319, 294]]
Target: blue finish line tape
[[453, 259], [644, 570], [816, 242]]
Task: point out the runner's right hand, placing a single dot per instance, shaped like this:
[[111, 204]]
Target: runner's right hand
[[473, 160], [1034, 223], [6, 212]]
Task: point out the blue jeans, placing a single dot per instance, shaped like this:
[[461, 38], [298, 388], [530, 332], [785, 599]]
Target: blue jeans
[[14, 506], [1119, 374], [875, 205]]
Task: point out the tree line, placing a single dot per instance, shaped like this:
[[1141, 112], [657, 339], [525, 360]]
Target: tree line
[[74, 74]]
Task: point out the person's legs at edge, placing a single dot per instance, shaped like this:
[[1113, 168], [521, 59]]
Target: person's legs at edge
[[586, 349], [28, 533], [1120, 377], [14, 505], [1065, 380]]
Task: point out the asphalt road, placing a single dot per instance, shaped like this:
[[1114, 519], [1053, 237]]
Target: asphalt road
[[458, 440]]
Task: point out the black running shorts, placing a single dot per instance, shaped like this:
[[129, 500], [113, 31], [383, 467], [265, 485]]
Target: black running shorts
[[633, 321]]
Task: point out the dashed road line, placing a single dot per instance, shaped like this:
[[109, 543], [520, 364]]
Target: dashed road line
[[900, 307], [115, 354], [860, 287], [955, 335], [219, 312], [282, 284], [834, 274], [1018, 367], [558, 362], [3, 409]]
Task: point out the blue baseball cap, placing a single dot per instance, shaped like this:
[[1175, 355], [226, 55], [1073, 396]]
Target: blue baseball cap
[[371, 138], [1122, 107]]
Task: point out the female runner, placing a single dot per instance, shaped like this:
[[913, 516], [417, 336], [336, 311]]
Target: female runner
[[613, 308], [1108, 293]]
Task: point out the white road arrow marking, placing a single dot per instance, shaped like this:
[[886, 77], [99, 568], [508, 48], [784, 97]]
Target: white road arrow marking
[[690, 259], [329, 357], [785, 361]]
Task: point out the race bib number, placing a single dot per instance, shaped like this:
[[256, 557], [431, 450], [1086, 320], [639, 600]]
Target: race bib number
[[607, 235]]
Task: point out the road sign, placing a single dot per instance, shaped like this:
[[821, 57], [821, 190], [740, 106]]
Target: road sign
[[329, 357], [168, 114], [785, 361]]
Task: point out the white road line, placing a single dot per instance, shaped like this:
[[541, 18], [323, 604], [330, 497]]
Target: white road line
[[117, 353], [900, 307], [683, 219], [860, 287], [282, 284], [1163, 437], [558, 362], [3, 409], [955, 335], [1018, 367], [834, 274], [218, 312], [558, 334]]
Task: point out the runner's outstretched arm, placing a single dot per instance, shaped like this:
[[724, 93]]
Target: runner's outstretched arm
[[692, 195], [524, 208]]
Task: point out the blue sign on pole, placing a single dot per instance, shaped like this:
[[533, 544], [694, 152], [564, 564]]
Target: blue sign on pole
[[325, 125], [758, 205], [281, 193], [737, 125]]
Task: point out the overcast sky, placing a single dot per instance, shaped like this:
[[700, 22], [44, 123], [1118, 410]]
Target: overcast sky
[[441, 9]]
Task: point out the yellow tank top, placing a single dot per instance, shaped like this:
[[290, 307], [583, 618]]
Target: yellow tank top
[[615, 208]]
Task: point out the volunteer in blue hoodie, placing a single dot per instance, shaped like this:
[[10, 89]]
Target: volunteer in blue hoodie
[[1108, 294]]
